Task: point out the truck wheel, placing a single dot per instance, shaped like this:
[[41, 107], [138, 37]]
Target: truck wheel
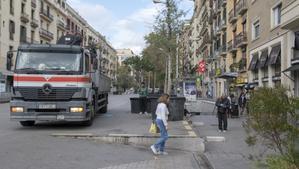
[[90, 121], [103, 110], [27, 123]]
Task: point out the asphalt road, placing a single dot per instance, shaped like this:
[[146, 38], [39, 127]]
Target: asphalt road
[[34, 148]]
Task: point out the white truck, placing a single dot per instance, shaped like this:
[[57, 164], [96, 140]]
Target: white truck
[[62, 82]]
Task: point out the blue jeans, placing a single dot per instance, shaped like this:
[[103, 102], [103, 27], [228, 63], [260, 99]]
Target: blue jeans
[[160, 144]]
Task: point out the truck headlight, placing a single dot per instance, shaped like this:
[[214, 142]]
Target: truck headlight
[[17, 109], [76, 109]]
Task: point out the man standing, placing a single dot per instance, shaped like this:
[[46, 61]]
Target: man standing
[[143, 92], [222, 104]]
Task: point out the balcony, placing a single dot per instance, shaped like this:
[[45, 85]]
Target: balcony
[[223, 25], [34, 23], [241, 40], [46, 15], [24, 17], [232, 16], [206, 41], [224, 2], [231, 46], [242, 7], [223, 50], [61, 24], [33, 3], [46, 34]]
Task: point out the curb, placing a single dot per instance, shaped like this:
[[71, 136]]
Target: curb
[[181, 142]]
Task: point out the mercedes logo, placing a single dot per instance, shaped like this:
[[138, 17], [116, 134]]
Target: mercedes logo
[[47, 88]]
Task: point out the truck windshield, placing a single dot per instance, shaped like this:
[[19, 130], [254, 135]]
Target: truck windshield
[[53, 63]]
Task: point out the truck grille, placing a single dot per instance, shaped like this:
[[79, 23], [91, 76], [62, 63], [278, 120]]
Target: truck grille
[[55, 94]]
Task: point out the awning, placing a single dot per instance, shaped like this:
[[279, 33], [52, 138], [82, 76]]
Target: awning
[[292, 68], [274, 55], [228, 75], [263, 59], [254, 62]]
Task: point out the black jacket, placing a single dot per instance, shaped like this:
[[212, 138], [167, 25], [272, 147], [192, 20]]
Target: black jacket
[[222, 105]]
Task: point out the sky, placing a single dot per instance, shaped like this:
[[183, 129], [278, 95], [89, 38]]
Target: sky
[[123, 22]]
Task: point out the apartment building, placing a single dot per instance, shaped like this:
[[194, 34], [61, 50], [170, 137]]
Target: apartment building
[[235, 71], [219, 48], [268, 48], [124, 54], [290, 23], [185, 50], [44, 21]]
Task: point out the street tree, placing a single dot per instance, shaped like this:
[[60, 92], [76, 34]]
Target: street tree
[[167, 26], [273, 122], [124, 79]]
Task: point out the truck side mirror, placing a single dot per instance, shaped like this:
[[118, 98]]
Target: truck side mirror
[[9, 59]]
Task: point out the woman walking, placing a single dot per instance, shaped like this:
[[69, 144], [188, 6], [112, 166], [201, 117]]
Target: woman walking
[[161, 121]]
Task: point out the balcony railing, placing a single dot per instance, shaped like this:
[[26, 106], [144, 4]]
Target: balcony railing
[[46, 34], [223, 50], [241, 39], [224, 2], [223, 25], [33, 3], [231, 46], [45, 14], [242, 7], [24, 17], [34, 23], [61, 24], [232, 16]]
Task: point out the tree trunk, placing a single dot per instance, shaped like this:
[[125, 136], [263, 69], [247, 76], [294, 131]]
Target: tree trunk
[[169, 75], [166, 77]]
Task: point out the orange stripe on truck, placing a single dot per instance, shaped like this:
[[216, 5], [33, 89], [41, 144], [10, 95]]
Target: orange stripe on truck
[[51, 79]]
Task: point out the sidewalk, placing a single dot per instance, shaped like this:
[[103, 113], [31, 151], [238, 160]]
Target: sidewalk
[[233, 152], [183, 161]]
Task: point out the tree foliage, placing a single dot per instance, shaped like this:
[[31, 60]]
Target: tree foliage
[[124, 79], [272, 122]]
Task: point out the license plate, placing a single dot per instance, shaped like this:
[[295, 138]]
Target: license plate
[[60, 117], [47, 106]]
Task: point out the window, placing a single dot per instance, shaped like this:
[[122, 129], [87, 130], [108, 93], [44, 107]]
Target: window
[[32, 14], [11, 29], [276, 15], [23, 8], [11, 7], [86, 63], [256, 30], [23, 34]]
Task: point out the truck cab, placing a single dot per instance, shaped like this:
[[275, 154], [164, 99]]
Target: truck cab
[[56, 83]]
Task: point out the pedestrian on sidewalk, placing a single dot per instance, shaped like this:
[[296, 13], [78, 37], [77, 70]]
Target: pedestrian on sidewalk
[[161, 121], [222, 104], [242, 102], [143, 93]]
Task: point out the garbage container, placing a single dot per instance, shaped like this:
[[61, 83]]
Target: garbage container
[[152, 103], [135, 105], [176, 108], [235, 111]]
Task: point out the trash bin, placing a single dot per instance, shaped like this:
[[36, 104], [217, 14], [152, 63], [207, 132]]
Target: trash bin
[[176, 108], [235, 111], [135, 105], [152, 103]]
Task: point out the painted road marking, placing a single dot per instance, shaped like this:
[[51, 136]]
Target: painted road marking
[[188, 127], [215, 139], [192, 134]]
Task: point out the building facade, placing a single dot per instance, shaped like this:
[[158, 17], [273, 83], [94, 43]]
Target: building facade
[[267, 44], [44, 21]]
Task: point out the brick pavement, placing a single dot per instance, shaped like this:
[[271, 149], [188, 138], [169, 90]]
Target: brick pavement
[[161, 162]]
